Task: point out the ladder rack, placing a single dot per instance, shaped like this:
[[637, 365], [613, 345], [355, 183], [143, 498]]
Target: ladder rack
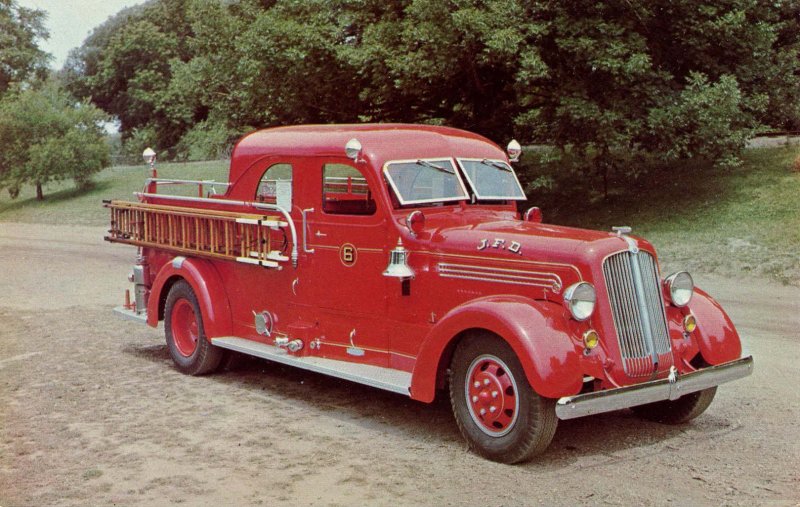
[[242, 237]]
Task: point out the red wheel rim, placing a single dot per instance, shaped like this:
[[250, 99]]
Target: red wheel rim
[[185, 331], [492, 396]]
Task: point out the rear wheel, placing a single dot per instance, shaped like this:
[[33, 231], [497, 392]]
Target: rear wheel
[[497, 411], [685, 408], [186, 339]]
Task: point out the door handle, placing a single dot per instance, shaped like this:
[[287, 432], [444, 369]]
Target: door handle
[[320, 234], [305, 230]]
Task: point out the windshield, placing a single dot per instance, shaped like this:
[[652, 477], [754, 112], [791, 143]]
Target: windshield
[[425, 181], [492, 179]]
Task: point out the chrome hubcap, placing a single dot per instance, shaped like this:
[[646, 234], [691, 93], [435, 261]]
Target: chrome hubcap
[[491, 394]]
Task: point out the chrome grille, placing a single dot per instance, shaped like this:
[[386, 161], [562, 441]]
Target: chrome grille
[[550, 281], [638, 309]]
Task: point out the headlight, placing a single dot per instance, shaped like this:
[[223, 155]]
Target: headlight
[[579, 300], [680, 287]]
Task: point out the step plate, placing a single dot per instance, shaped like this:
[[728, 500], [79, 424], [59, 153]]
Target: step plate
[[131, 315], [388, 379]]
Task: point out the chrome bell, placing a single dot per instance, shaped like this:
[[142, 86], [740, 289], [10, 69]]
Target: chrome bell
[[398, 263]]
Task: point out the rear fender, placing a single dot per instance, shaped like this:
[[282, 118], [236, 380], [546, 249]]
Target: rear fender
[[535, 330], [204, 279], [716, 337]]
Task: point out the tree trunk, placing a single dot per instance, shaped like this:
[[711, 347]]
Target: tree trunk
[[605, 168], [39, 193]]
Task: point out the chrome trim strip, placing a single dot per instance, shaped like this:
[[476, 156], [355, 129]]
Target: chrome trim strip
[[549, 281], [169, 181], [571, 407], [644, 313], [396, 381], [515, 261], [303, 213], [655, 302]]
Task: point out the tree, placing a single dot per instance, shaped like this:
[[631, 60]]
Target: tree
[[20, 56], [613, 82], [48, 136], [125, 67], [442, 62]]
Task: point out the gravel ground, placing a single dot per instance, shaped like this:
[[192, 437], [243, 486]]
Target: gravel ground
[[93, 413]]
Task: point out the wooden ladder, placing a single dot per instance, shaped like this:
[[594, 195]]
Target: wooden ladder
[[241, 237]]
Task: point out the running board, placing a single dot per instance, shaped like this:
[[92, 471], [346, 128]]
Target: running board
[[388, 379]]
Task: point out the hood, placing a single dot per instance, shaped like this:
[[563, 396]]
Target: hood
[[509, 239]]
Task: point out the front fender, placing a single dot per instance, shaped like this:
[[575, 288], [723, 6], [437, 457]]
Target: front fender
[[208, 287], [535, 330], [716, 337]]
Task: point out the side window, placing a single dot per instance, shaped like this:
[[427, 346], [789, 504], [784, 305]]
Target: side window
[[275, 186], [345, 191]]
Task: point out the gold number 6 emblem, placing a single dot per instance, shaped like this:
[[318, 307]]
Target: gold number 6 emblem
[[348, 255]]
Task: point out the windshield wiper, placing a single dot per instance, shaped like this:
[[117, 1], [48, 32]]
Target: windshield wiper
[[425, 163], [496, 164]]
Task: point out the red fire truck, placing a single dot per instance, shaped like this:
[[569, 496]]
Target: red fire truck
[[394, 256]]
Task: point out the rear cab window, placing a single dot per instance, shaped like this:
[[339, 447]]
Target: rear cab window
[[345, 191], [275, 186]]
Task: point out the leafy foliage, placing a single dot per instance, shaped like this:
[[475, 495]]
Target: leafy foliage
[[705, 121], [20, 56], [610, 82], [206, 141], [47, 136]]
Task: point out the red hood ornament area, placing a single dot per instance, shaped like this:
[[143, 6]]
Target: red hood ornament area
[[524, 323]]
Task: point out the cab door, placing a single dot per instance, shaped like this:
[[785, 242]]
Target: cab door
[[342, 281]]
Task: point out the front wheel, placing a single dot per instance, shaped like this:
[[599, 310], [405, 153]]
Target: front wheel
[[497, 411], [685, 408], [191, 351]]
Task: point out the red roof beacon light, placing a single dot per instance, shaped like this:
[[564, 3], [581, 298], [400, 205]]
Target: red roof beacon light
[[353, 149], [514, 150]]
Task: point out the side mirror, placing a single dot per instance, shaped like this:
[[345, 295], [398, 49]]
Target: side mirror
[[533, 214]]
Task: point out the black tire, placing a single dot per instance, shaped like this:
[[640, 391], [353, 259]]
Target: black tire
[[183, 327], [685, 408], [522, 423]]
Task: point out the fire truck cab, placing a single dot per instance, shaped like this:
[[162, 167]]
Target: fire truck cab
[[394, 256]]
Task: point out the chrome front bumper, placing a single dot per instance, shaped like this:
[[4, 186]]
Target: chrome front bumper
[[570, 407]]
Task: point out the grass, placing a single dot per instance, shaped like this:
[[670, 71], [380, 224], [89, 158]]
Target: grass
[[63, 204], [740, 221]]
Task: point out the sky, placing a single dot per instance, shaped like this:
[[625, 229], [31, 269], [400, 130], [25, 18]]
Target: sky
[[70, 22]]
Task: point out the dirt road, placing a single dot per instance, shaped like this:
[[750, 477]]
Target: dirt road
[[93, 413]]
